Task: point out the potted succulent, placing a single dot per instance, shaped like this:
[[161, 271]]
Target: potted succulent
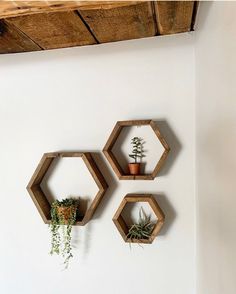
[[137, 154], [141, 230], [63, 217]]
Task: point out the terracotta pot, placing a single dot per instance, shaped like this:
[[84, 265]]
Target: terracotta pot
[[134, 168], [66, 212]]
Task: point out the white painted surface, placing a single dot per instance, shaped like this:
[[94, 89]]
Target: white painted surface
[[216, 145], [69, 177], [132, 212], [70, 100], [152, 147]]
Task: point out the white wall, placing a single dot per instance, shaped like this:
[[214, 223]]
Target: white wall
[[216, 141], [70, 100]]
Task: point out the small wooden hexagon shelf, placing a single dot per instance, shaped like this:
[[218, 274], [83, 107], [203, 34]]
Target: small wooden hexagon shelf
[[122, 226], [107, 150], [39, 198]]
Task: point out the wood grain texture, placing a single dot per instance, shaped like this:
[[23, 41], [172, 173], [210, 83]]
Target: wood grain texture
[[113, 136], [140, 122], [123, 228], [19, 8], [174, 16], [42, 168], [107, 150], [13, 40], [40, 199], [121, 23], [145, 177], [94, 171], [41, 202], [35, 25], [164, 144], [54, 30]]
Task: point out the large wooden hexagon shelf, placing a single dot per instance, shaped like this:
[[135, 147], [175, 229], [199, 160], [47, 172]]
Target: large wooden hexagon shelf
[[107, 150], [39, 198], [123, 228]]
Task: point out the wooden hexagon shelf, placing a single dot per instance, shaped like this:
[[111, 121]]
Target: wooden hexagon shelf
[[107, 150], [122, 226], [39, 198]]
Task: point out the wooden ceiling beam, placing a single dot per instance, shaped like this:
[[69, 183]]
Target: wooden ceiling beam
[[174, 16], [54, 30], [121, 23], [36, 25], [19, 8], [13, 40]]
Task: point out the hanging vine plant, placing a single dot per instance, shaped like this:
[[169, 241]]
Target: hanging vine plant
[[63, 216]]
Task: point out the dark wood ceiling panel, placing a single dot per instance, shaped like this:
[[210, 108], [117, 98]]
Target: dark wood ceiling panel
[[35, 25], [174, 16], [54, 29], [18, 8], [12, 40], [121, 23]]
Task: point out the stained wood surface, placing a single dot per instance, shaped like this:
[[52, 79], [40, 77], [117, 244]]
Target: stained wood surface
[[40, 199], [122, 226], [54, 30], [18, 8], [42, 168], [12, 40], [108, 152], [40, 25], [174, 16], [139, 122], [94, 170], [41, 202], [121, 23]]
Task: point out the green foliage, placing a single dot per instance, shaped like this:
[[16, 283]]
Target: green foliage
[[137, 151], [141, 230], [61, 239]]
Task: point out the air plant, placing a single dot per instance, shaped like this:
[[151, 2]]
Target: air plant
[[141, 230]]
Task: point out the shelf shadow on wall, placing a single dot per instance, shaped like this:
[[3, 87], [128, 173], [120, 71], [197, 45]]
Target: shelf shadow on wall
[[83, 239], [110, 179], [169, 136], [118, 152], [166, 207], [169, 212], [44, 184], [83, 201], [102, 166], [173, 142], [112, 184]]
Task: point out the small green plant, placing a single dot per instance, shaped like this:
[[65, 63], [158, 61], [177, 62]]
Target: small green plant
[[141, 230], [63, 216], [137, 151]]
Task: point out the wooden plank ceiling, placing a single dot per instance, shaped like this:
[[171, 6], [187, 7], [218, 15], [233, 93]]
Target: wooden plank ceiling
[[39, 25]]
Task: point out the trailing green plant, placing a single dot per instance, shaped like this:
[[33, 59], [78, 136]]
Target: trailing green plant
[[63, 216], [141, 230], [137, 151]]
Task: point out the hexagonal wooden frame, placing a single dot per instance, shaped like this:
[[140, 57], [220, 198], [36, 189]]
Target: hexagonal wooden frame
[[107, 150], [123, 228], [39, 198]]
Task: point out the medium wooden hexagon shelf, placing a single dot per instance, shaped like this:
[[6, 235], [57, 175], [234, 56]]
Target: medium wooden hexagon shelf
[[39, 198], [107, 150], [122, 226]]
